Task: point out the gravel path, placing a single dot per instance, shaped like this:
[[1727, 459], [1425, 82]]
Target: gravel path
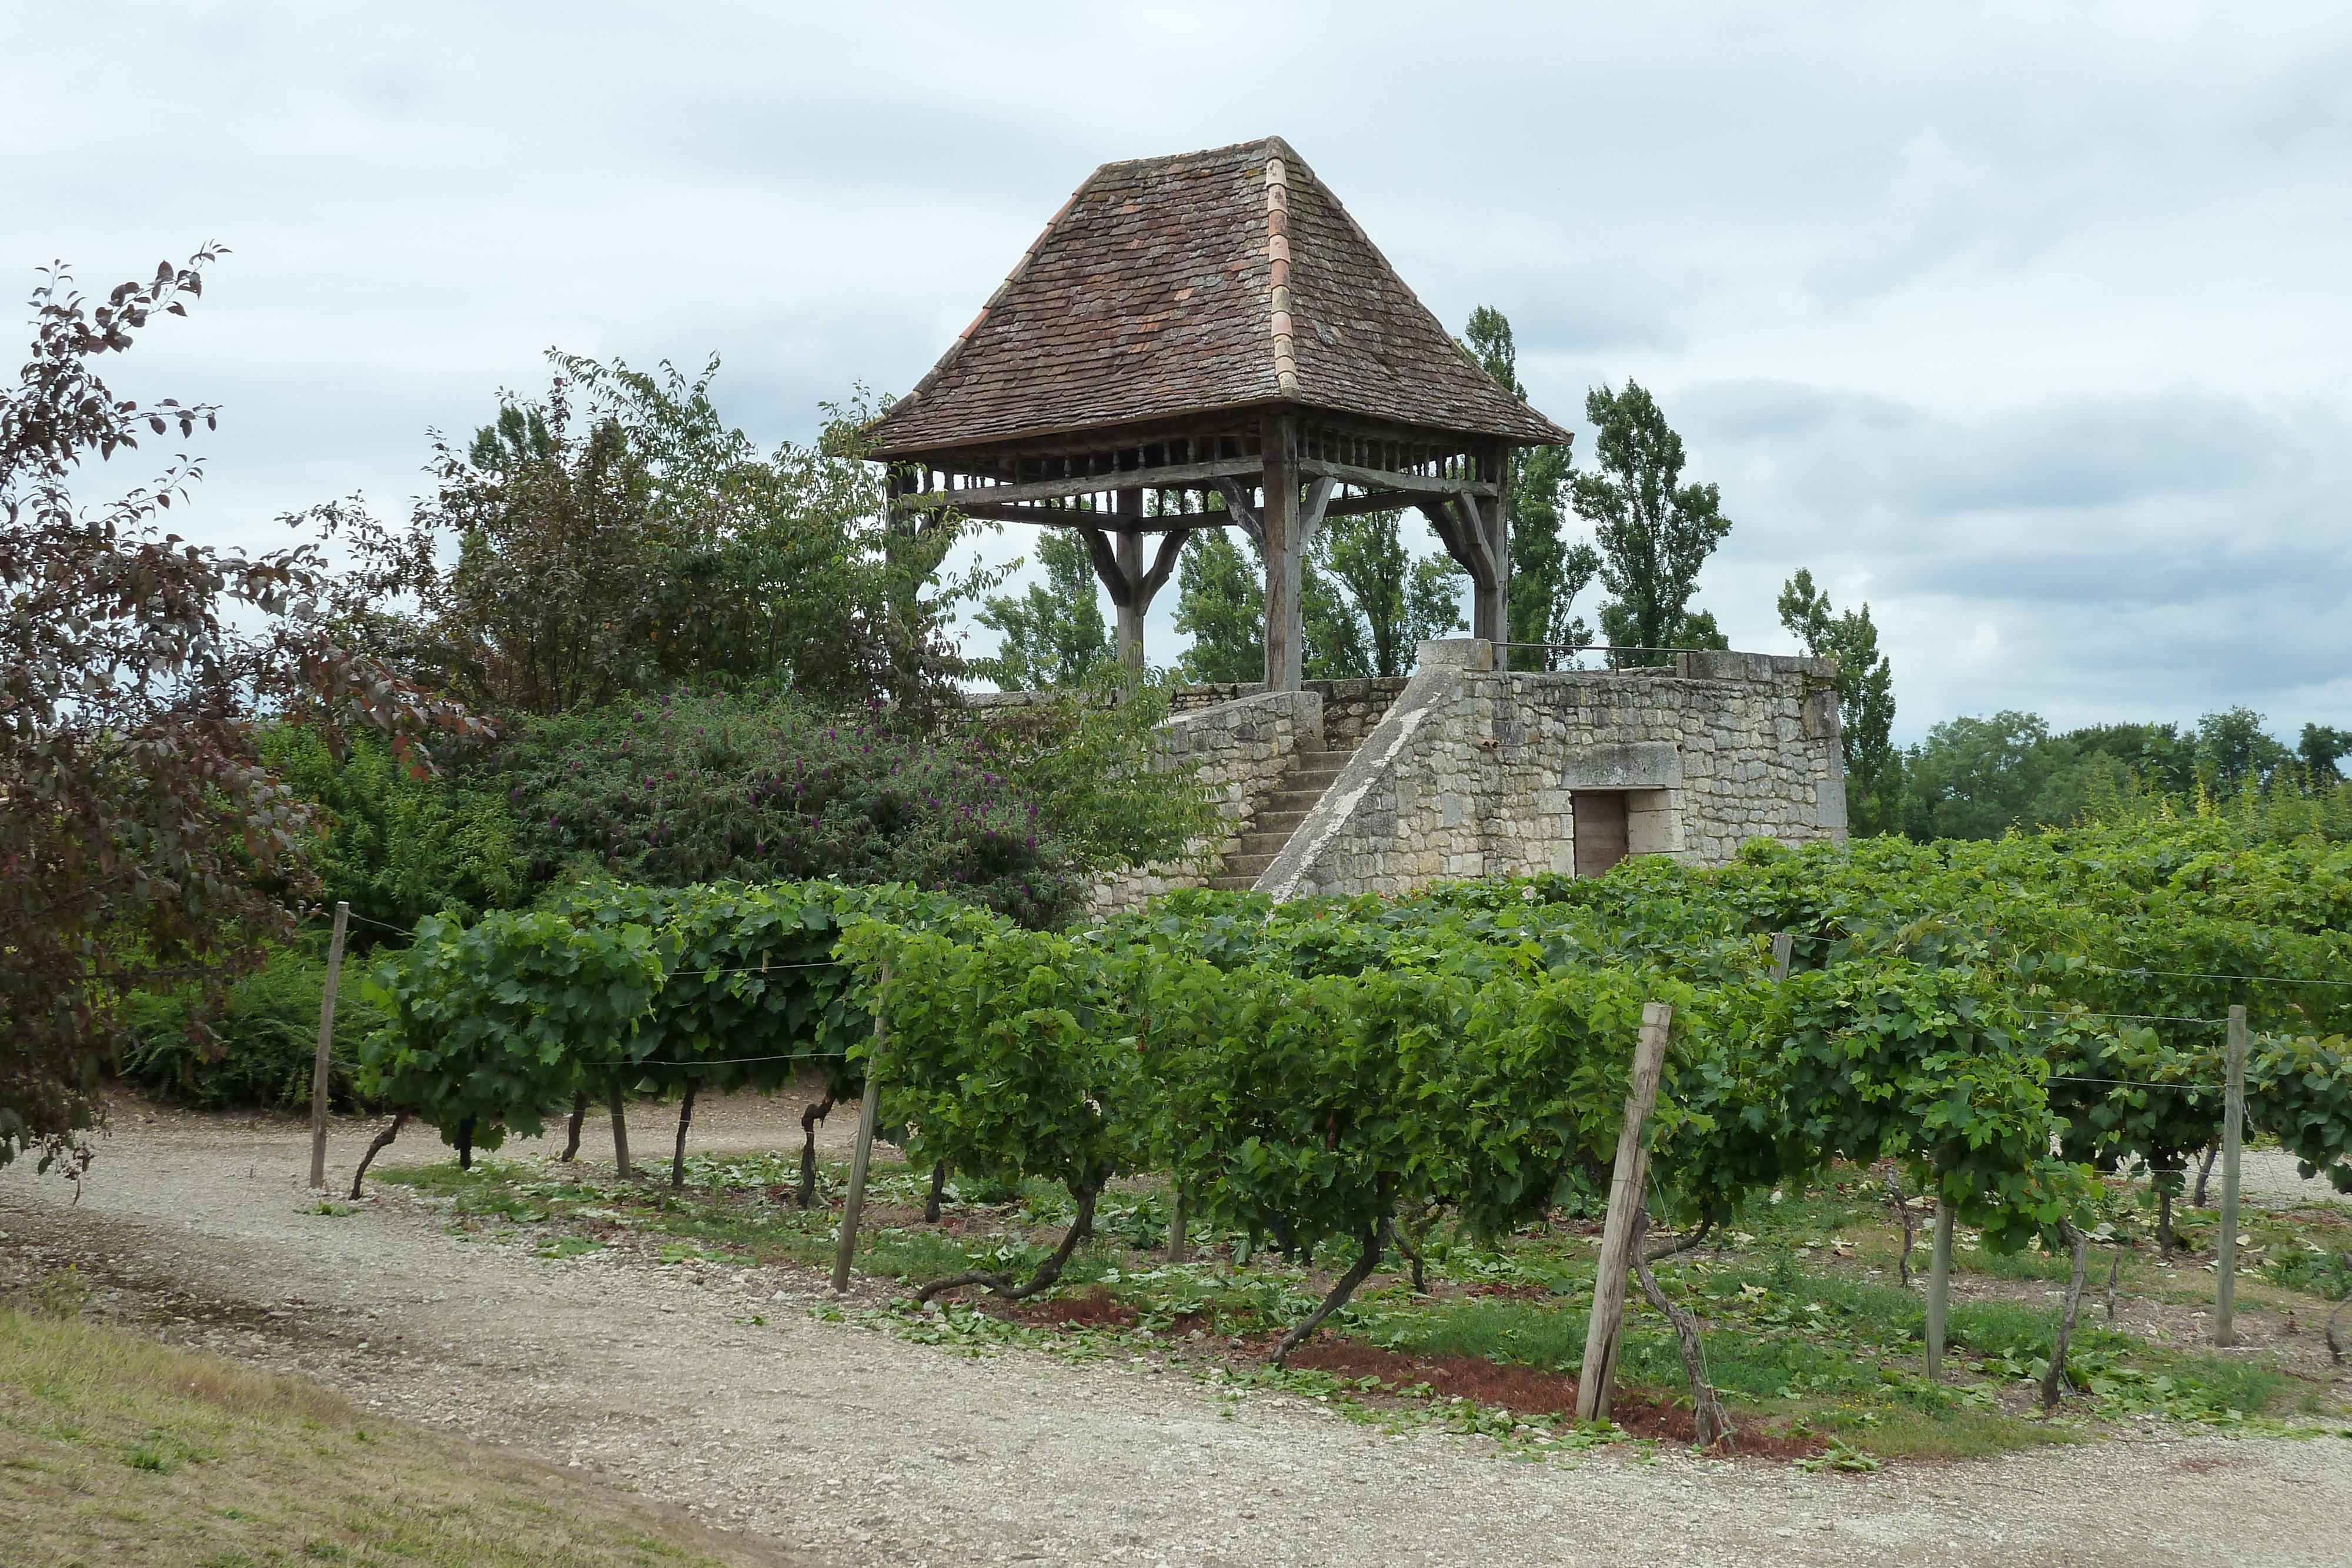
[[849, 1448], [2266, 1178]]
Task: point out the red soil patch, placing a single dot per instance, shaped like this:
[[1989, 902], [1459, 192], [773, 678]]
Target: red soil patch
[[1529, 1391], [1092, 1309], [1095, 1307]]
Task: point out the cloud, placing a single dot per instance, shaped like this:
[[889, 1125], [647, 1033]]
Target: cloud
[[2028, 326], [1947, 207], [2156, 554]]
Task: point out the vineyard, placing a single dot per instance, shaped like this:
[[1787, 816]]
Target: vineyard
[[1993, 1034]]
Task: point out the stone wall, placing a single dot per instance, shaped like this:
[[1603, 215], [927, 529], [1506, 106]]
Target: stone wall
[[1472, 771], [1239, 748], [1351, 709], [1192, 699]]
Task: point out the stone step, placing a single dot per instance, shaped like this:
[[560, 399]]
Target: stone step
[[1310, 777], [1298, 802]]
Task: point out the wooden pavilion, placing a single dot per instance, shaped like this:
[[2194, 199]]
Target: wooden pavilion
[[1209, 328]]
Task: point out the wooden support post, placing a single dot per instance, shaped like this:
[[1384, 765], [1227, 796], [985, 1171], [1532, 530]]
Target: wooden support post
[[1118, 566], [863, 1153], [1939, 1285], [2233, 1124], [1317, 507], [1132, 605], [1621, 1233], [1491, 607], [1176, 1218], [1784, 946], [322, 1072], [1286, 667]]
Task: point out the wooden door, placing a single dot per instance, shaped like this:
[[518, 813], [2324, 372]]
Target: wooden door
[[1599, 830]]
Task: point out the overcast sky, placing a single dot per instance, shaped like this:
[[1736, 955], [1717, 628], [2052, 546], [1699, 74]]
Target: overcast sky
[[2029, 325]]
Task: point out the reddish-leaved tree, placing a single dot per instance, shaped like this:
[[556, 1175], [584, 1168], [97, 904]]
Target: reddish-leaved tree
[[140, 837]]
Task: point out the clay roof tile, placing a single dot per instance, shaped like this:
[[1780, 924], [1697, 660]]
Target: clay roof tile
[[1183, 285]]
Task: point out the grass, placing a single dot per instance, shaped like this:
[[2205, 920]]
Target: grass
[[1807, 1323], [114, 1449]]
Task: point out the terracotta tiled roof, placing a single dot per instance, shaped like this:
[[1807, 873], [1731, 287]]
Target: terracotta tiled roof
[[1169, 287]]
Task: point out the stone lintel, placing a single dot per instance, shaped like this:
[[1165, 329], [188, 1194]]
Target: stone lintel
[[1633, 764]]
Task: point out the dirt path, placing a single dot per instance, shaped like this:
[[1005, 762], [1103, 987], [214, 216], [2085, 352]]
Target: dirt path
[[857, 1450]]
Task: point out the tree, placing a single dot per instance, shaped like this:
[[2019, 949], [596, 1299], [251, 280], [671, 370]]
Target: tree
[[1865, 683], [2232, 748], [785, 566], [637, 540], [2321, 750], [143, 840], [2158, 756], [1547, 571], [1221, 603], [1389, 601], [1331, 628], [1978, 778], [1433, 606], [1053, 634], [1655, 532], [551, 604]]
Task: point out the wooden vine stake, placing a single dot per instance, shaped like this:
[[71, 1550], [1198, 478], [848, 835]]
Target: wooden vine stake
[[1621, 1233], [2233, 1124], [1784, 946], [621, 1166], [322, 1071], [860, 1156], [1939, 1285]]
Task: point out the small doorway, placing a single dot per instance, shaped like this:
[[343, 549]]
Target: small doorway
[[1599, 825]]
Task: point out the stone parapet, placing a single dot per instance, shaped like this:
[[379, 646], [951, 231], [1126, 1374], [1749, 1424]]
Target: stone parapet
[[1351, 709]]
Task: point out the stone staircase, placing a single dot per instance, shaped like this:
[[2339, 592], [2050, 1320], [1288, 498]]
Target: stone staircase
[[1279, 816]]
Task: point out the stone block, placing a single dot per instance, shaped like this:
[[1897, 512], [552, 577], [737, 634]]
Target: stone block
[[1470, 654]]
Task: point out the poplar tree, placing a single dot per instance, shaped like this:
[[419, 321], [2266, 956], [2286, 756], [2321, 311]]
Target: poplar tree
[[1654, 531], [1866, 684], [1547, 571]]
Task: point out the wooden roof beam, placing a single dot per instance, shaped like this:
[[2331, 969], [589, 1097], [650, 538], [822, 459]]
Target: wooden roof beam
[[1383, 478], [1175, 475]]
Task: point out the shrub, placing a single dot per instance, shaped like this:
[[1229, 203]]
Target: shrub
[[256, 1045], [703, 787], [398, 845]]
